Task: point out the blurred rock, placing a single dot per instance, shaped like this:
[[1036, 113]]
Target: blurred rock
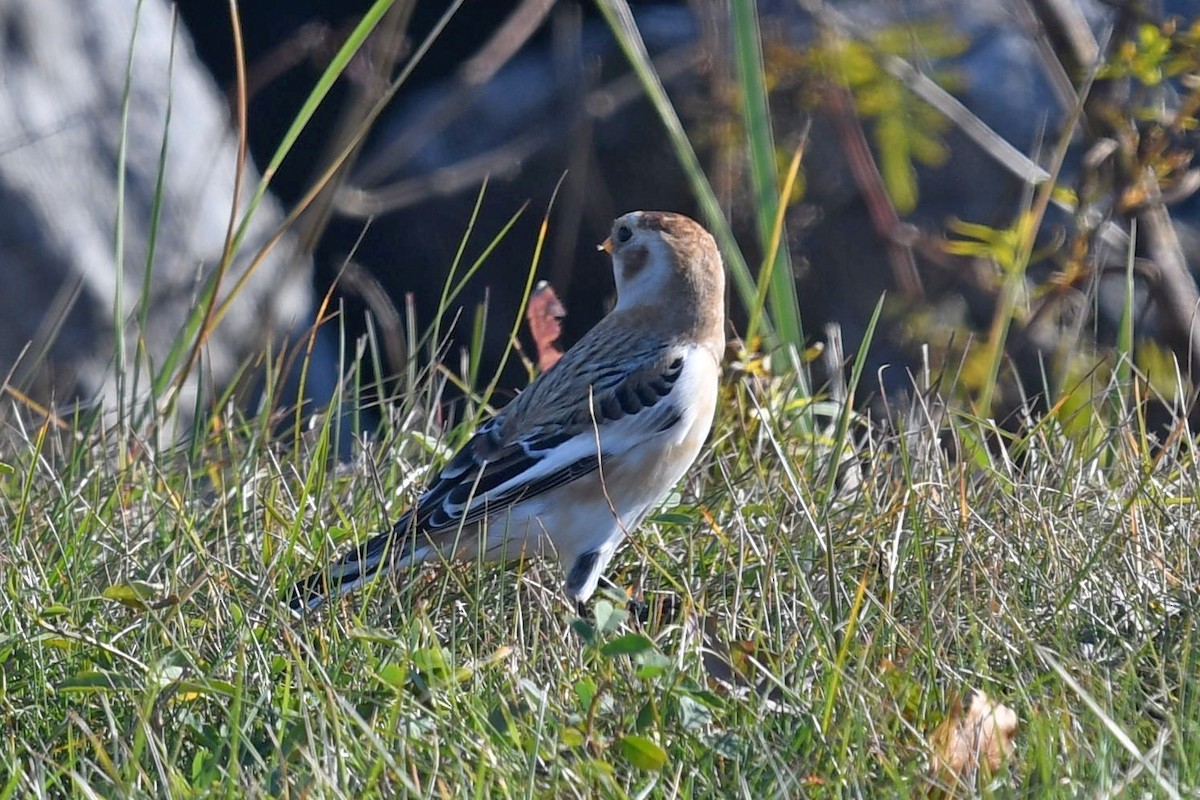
[[64, 67]]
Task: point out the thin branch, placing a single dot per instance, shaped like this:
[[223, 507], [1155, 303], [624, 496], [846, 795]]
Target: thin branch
[[883, 214], [472, 76]]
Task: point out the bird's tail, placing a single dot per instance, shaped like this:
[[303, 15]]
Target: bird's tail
[[376, 557]]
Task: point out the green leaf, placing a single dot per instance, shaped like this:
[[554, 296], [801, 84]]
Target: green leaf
[[134, 594], [927, 149], [608, 616], [627, 644], [92, 681], [693, 714], [653, 664], [643, 753], [585, 690], [188, 689], [672, 518], [394, 675], [649, 671], [535, 693], [432, 663], [584, 629], [894, 166], [645, 717], [764, 176], [166, 675], [375, 636], [501, 722]]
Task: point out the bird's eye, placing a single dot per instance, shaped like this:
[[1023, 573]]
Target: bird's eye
[[624, 234]]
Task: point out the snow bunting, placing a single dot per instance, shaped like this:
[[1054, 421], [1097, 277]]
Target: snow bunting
[[581, 456]]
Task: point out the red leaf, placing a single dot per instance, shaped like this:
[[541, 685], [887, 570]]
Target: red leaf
[[544, 316]]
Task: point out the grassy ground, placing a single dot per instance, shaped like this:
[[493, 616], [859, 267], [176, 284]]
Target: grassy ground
[[144, 651]]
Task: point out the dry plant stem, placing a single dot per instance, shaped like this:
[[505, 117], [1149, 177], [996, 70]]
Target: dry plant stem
[[1069, 32], [1013, 281], [388, 43], [883, 214], [602, 103], [25, 369], [307, 41], [924, 87], [1178, 297], [472, 76], [305, 201], [1058, 29], [578, 194], [975, 129], [210, 321], [358, 281]]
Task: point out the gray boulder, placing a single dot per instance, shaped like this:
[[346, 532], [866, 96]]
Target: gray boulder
[[69, 293]]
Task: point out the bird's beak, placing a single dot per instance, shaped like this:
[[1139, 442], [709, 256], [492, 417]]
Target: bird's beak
[[606, 246]]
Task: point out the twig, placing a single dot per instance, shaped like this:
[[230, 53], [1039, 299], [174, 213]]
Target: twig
[[1048, 25], [600, 104], [1179, 297], [990, 142], [879, 205], [1070, 38], [388, 42], [474, 74]]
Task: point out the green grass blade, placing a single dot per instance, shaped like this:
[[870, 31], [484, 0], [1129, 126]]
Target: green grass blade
[[764, 178], [620, 20]]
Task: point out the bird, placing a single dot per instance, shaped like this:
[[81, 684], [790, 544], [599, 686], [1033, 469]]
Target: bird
[[577, 460]]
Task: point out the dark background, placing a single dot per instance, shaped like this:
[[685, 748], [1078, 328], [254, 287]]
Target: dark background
[[623, 161]]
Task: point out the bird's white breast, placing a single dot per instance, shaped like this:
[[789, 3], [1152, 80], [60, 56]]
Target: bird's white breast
[[638, 468]]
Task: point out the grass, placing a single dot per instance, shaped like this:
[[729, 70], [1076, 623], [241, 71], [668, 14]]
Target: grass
[[144, 650]]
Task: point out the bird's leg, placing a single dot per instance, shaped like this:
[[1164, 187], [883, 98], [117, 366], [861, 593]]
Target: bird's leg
[[605, 586], [666, 607]]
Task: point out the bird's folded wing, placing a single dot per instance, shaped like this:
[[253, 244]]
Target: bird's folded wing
[[511, 460]]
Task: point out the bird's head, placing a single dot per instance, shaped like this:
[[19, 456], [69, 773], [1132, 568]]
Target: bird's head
[[666, 260]]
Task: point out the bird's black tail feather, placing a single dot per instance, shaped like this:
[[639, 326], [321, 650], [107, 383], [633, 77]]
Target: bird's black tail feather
[[374, 558]]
